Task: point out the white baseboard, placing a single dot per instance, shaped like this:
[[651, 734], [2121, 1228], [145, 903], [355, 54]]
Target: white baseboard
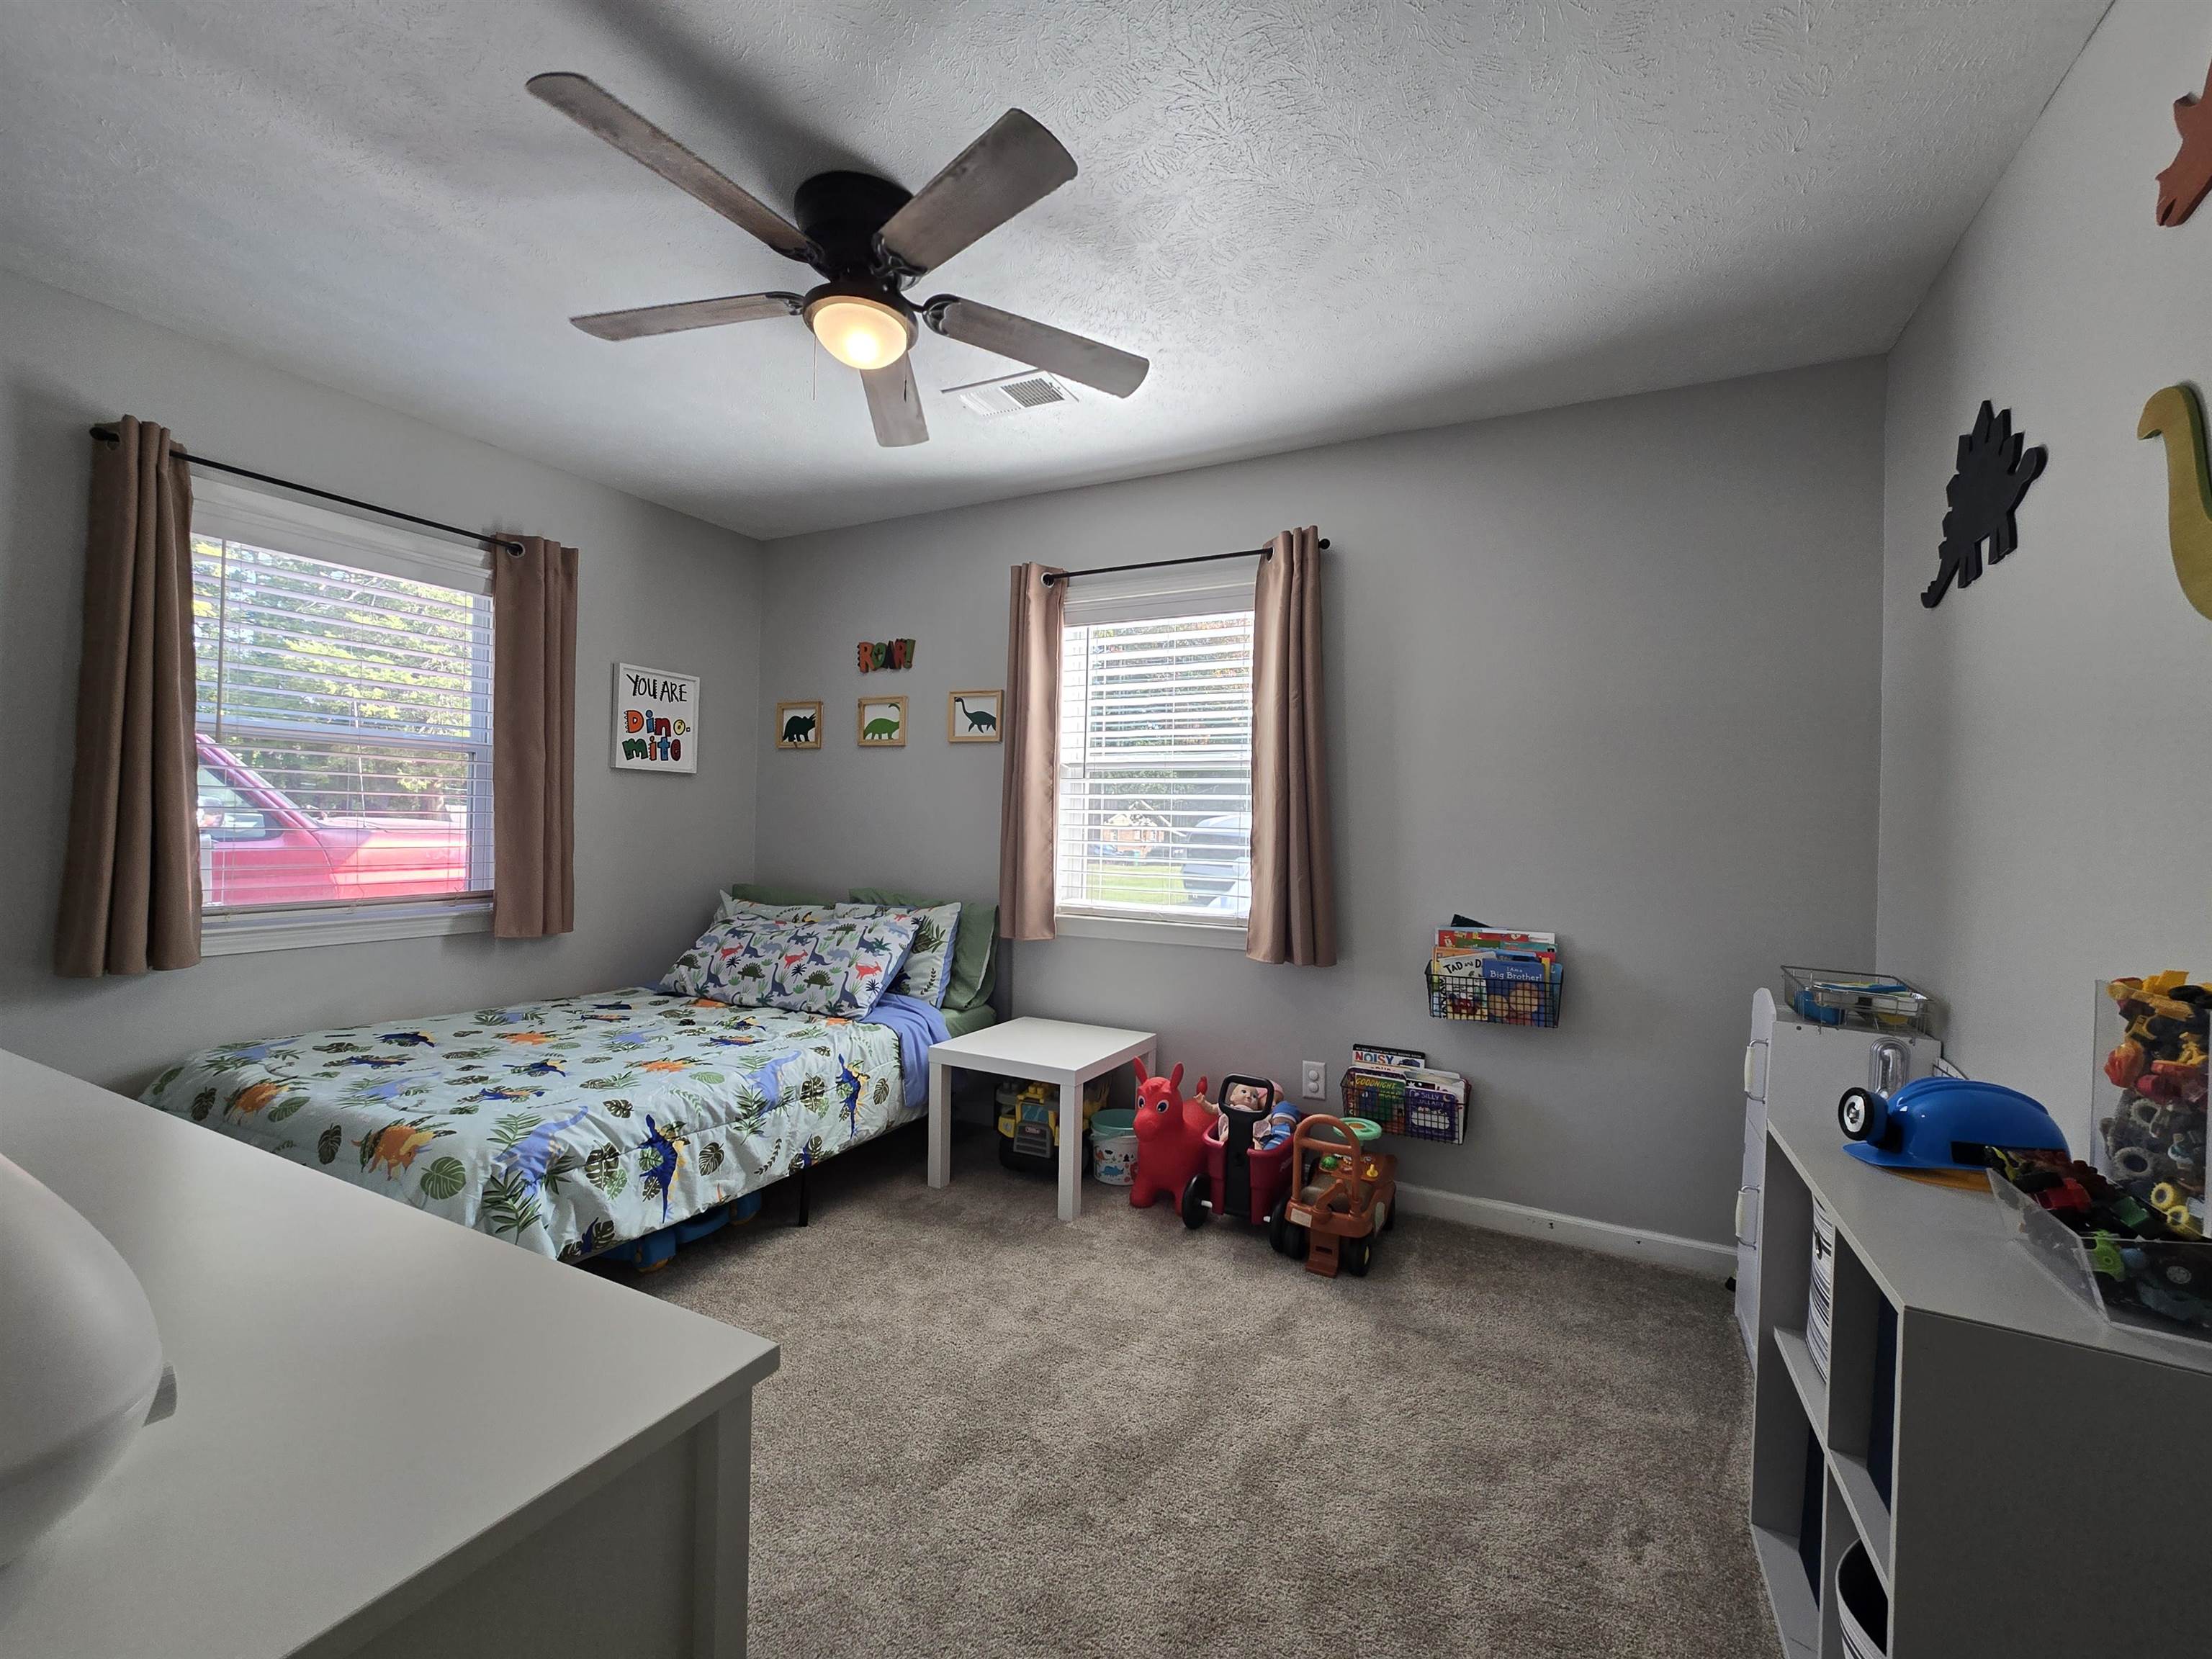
[[1669, 1250]]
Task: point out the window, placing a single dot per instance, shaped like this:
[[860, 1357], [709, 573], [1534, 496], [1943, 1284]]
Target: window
[[343, 725], [1156, 750]]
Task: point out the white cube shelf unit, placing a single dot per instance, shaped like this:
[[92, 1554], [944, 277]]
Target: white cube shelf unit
[[2027, 1479]]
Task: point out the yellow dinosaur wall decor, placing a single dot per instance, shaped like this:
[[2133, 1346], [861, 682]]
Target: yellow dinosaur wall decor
[[2177, 416]]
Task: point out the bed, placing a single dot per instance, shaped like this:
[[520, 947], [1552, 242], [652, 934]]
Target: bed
[[572, 1126]]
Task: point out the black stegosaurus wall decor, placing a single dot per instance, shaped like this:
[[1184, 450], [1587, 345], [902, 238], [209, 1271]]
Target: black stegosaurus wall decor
[[1994, 473]]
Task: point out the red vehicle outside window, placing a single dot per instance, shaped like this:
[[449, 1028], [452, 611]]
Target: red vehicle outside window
[[258, 848]]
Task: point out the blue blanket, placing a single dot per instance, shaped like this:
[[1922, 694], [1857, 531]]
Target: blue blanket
[[918, 1026]]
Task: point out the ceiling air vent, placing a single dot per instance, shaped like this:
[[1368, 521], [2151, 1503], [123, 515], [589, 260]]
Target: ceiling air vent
[[1011, 394]]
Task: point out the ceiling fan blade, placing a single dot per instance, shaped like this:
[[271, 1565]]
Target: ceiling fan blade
[[688, 313], [894, 405], [591, 106], [1016, 163], [1071, 357]]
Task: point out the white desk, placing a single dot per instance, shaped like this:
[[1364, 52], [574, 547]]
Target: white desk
[[393, 1435], [1040, 1051]]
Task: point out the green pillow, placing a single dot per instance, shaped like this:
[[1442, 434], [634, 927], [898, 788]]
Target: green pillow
[[975, 957], [762, 893]]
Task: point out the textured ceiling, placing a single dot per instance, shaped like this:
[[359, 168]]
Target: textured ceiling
[[1319, 219]]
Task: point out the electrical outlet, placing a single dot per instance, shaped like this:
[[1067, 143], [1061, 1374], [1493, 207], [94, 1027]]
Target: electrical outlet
[[1316, 1080]]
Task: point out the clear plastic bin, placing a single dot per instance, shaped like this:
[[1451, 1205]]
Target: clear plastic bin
[[2164, 1287], [1864, 1002], [2147, 1095]]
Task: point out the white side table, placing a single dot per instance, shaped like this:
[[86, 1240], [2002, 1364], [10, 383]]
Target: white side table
[[1038, 1051]]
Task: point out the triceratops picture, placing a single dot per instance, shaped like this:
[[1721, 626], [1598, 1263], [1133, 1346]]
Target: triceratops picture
[[799, 726], [1994, 473]]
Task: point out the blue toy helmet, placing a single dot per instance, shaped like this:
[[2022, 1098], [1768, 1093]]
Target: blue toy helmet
[[1942, 1123]]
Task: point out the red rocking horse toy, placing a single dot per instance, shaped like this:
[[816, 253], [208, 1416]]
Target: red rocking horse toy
[[1171, 1136]]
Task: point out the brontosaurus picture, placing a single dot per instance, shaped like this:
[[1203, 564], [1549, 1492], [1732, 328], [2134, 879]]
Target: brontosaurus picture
[[882, 722], [1993, 472], [2187, 178], [973, 716], [2177, 416], [799, 726]]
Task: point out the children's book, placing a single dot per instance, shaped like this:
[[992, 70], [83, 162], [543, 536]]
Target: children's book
[[1450, 1085], [1471, 941], [1369, 1054]]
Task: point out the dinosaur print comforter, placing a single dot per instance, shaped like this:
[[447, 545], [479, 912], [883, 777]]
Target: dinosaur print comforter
[[567, 1127]]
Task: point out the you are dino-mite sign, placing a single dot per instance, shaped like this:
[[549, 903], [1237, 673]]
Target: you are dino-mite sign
[[656, 720]]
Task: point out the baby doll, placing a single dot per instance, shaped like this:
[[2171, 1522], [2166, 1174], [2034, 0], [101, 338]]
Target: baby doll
[[1272, 1130]]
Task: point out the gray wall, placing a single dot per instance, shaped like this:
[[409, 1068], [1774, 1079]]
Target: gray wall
[[1610, 670], [2045, 789], [657, 588]]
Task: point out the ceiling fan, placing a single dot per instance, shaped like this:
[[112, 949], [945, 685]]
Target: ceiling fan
[[869, 239]]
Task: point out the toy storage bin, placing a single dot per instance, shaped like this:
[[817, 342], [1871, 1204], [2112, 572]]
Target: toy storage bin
[[1114, 1145], [1866, 1002], [1862, 1606], [2147, 1094], [2147, 1284]]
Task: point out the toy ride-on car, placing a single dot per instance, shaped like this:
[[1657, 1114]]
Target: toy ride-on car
[[1342, 1195], [1236, 1179]]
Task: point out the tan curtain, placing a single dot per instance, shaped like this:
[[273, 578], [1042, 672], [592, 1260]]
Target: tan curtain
[[131, 875], [1029, 804], [533, 737], [1294, 865]]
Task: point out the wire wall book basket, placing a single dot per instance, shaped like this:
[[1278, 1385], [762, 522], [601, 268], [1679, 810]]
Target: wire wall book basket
[[1407, 1102], [1496, 991]]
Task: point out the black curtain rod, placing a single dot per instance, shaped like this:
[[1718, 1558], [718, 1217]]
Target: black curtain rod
[[1156, 564], [108, 434]]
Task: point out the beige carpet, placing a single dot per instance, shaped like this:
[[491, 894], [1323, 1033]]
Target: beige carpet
[[996, 1435]]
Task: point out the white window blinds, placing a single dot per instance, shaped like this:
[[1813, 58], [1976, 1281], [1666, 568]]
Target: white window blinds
[[1156, 746], [344, 709]]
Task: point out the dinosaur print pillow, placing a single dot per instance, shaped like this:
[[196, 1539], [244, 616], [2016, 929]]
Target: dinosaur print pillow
[[928, 971], [732, 906], [841, 965]]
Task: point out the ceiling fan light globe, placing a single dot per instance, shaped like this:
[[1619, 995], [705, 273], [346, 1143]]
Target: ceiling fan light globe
[[860, 332], [860, 348]]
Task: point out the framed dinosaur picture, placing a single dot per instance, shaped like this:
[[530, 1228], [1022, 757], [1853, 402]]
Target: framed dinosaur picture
[[973, 716], [799, 726], [882, 723]]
